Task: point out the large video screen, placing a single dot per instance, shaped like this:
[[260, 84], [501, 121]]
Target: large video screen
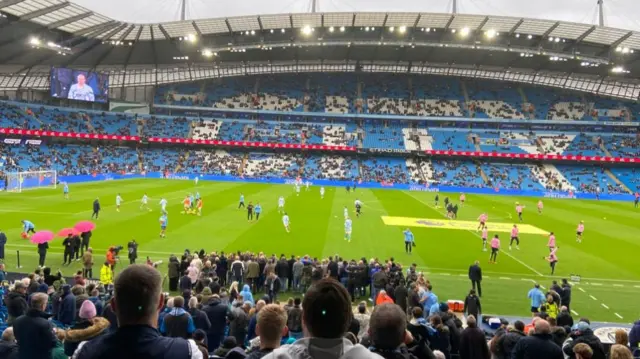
[[79, 85]]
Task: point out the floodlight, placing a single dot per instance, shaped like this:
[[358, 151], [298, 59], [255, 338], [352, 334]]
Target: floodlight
[[331, 29], [282, 31], [207, 53], [557, 39], [491, 33], [518, 35], [34, 41], [366, 28], [272, 31], [464, 31], [341, 28], [391, 29], [306, 30], [530, 37], [403, 29], [253, 32], [192, 38]]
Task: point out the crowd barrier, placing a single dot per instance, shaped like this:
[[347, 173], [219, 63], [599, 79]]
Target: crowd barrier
[[335, 183]]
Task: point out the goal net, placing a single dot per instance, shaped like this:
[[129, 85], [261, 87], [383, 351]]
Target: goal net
[[18, 181]]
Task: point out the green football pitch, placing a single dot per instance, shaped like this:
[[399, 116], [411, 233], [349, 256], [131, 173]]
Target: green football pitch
[[606, 260]]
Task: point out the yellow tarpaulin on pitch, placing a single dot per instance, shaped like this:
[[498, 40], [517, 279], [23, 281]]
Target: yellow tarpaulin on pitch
[[460, 225]]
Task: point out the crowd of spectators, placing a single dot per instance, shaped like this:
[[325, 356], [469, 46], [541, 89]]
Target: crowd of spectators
[[233, 306], [385, 170]]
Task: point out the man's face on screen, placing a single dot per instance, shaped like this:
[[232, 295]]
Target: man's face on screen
[[81, 80]]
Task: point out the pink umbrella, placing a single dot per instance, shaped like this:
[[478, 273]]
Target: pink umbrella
[[84, 226], [42, 237], [65, 232]]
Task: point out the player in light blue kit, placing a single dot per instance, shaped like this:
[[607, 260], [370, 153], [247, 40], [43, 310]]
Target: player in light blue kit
[[119, 201], [285, 221], [345, 212], [241, 204], [164, 221], [297, 189], [65, 190], [163, 205], [258, 210], [409, 240], [28, 226], [322, 192], [192, 200], [347, 229]]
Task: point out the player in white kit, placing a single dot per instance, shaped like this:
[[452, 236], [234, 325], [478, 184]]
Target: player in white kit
[[144, 203], [281, 204], [118, 202], [163, 205], [321, 192], [297, 189], [196, 180], [285, 221], [307, 184], [345, 212]]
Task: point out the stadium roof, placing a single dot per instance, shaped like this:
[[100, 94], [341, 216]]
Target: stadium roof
[[36, 34]]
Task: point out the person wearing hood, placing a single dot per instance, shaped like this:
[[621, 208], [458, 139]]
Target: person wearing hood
[[247, 296], [67, 310], [217, 313], [173, 273], [227, 344], [177, 323], [326, 318], [33, 331], [634, 335], [88, 327], [538, 345], [8, 345], [388, 332], [16, 302], [582, 333], [239, 322]]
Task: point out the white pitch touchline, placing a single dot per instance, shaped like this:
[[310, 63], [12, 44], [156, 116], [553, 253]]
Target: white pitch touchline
[[582, 290], [605, 306], [596, 284], [505, 278], [618, 285], [618, 315], [33, 246], [477, 235], [574, 312], [592, 297]]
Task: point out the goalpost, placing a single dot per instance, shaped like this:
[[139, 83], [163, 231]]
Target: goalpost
[[18, 181]]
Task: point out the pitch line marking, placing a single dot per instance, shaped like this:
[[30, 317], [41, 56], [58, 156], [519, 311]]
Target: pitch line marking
[[618, 315], [507, 278], [477, 235], [582, 290], [605, 306], [618, 285], [592, 297], [574, 312], [596, 284]]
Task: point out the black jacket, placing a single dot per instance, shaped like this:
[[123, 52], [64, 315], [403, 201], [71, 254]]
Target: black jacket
[[132, 248], [42, 248], [200, 319], [86, 236], [401, 296], [401, 352], [68, 244], [506, 343], [565, 295], [472, 305], [537, 346], [475, 272], [16, 304], [84, 331], [380, 279], [3, 241], [216, 312], [294, 319], [35, 333], [174, 268], [564, 319], [282, 269], [96, 205], [139, 341], [453, 323], [333, 270], [8, 350], [473, 344], [591, 340], [440, 340]]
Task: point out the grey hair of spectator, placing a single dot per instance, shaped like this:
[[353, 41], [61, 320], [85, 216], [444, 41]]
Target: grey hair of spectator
[[438, 354], [8, 336], [471, 321], [193, 302]]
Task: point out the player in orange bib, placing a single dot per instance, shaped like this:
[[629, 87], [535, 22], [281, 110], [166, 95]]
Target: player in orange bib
[[186, 203], [199, 205]]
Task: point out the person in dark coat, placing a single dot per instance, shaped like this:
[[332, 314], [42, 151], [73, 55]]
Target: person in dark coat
[[8, 345], [3, 241], [49, 278], [76, 242], [200, 319], [33, 331], [454, 324], [42, 253], [173, 273], [539, 345], [67, 309], [401, 295], [216, 312], [473, 344], [439, 338], [565, 295], [16, 302], [96, 208], [564, 318], [290, 262], [185, 282], [68, 249], [239, 322], [84, 245], [584, 334], [133, 251], [506, 342], [475, 275], [88, 327], [282, 270], [472, 304], [273, 286]]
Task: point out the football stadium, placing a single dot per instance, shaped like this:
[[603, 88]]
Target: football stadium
[[395, 180]]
